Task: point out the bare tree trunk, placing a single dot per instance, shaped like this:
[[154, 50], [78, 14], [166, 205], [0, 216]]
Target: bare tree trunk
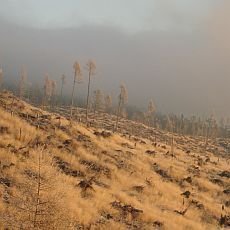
[[118, 114], [38, 192], [87, 105], [172, 144], [61, 93], [206, 139], [52, 102], [71, 109]]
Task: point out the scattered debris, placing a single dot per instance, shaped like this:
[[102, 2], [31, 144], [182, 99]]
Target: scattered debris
[[224, 221], [197, 204], [5, 181], [31, 174], [126, 145], [225, 174], [86, 185], [227, 203], [161, 172], [186, 194], [148, 181], [67, 142], [227, 191], [96, 168], [217, 181], [138, 188], [3, 166], [195, 170], [104, 134], [183, 212], [65, 168], [188, 179], [4, 130], [126, 209], [157, 224], [150, 152]]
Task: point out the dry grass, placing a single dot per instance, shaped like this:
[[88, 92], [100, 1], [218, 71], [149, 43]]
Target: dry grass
[[120, 170]]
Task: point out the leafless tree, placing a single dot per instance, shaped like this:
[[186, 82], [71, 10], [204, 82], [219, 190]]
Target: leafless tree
[[91, 67], [47, 90], [77, 79], [122, 99], [98, 100], [63, 78], [171, 128], [108, 103], [53, 86], [151, 111], [211, 131]]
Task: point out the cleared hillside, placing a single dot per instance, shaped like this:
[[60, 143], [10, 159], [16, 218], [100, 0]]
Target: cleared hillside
[[57, 174]]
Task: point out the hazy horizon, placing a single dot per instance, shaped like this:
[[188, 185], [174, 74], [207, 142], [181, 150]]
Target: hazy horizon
[[176, 53]]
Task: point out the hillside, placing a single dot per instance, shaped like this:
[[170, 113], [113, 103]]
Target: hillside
[[57, 174]]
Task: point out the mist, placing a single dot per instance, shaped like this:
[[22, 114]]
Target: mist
[[182, 70]]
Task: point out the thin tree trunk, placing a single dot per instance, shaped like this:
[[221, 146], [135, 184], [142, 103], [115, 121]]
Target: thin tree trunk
[[38, 191], [118, 114], [172, 144], [61, 93], [206, 138], [87, 105], [71, 109]]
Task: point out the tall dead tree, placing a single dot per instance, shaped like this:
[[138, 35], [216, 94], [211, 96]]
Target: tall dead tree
[[122, 99], [63, 78], [171, 128], [38, 193], [77, 79], [53, 92], [47, 90], [150, 112], [108, 103], [210, 124], [98, 103], [91, 67]]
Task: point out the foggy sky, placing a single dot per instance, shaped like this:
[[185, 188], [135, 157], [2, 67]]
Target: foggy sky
[[175, 53]]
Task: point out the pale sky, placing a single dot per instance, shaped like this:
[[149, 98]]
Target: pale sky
[[176, 52], [131, 15]]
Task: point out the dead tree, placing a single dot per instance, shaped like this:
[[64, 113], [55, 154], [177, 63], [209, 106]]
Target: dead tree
[[108, 103], [53, 86], [47, 90], [98, 103], [150, 112], [122, 99], [91, 67], [209, 126], [77, 79], [171, 128], [63, 78], [38, 193]]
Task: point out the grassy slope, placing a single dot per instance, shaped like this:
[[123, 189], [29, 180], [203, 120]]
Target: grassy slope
[[121, 171]]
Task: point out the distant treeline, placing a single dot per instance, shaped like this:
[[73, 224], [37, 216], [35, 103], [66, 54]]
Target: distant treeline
[[97, 101], [194, 126]]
